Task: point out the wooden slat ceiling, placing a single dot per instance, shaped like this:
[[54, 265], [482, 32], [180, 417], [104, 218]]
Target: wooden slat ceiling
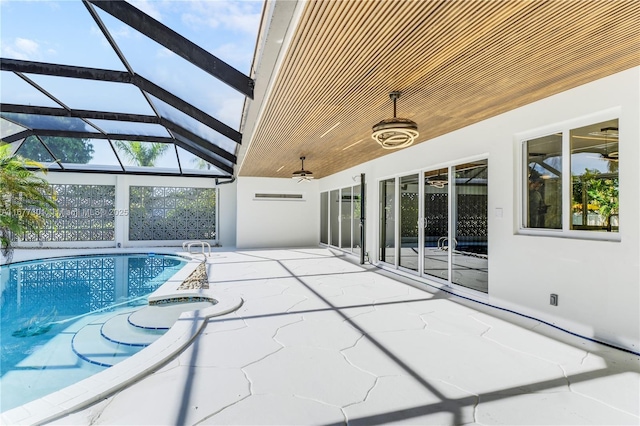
[[456, 62]]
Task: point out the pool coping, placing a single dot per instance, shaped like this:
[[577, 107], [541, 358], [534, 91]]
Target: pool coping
[[99, 386]]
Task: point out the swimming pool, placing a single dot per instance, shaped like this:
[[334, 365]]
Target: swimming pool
[[46, 306]]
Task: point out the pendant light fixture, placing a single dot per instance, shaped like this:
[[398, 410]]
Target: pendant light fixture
[[439, 181], [395, 133], [302, 175]]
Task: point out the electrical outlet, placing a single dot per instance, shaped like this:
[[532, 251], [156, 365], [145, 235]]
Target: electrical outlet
[[553, 300]]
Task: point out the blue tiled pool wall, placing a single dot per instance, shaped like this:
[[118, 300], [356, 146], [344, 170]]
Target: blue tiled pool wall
[[38, 294]]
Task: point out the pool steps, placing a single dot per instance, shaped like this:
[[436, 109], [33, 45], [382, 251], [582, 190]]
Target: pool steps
[[119, 330], [162, 316], [114, 337]]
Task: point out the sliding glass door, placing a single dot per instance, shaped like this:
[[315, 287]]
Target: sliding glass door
[[388, 221], [435, 223], [470, 261], [355, 220], [340, 218], [409, 213]]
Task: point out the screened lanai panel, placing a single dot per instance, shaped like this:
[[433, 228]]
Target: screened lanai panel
[[95, 95], [176, 74], [60, 32], [234, 25], [12, 147], [194, 126], [14, 90], [79, 154], [8, 128], [189, 142], [33, 149], [138, 156], [131, 128], [191, 163], [48, 122]]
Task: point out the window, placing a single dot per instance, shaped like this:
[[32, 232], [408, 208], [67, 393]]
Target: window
[[544, 182], [586, 199], [594, 178]]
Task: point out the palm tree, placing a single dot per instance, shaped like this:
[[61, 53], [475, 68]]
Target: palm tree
[[25, 198], [143, 154]]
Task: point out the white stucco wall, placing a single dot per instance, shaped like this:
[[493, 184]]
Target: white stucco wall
[[277, 223]]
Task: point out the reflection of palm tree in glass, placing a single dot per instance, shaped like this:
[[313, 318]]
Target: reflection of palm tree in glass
[[144, 154], [201, 164]]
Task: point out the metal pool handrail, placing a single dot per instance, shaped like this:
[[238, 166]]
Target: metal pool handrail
[[188, 244]]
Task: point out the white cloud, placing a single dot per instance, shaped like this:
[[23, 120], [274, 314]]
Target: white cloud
[[238, 16], [122, 32], [22, 48], [29, 47], [233, 53]]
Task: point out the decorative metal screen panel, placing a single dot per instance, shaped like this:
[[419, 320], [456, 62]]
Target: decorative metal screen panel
[[168, 213], [472, 215], [85, 213], [437, 222]]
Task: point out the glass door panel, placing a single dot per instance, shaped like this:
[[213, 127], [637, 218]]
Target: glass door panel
[[409, 212], [334, 222], [470, 262], [324, 218], [387, 221], [345, 219], [436, 224], [355, 228]]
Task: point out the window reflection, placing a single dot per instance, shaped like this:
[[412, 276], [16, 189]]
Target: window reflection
[[595, 182], [470, 254], [387, 221], [544, 182], [191, 163], [334, 223], [409, 212], [324, 218], [355, 228], [49, 122], [345, 218]]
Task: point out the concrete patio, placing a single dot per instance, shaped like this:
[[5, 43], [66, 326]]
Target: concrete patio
[[323, 340]]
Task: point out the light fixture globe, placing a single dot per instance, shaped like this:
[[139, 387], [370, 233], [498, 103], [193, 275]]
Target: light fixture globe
[[395, 133]]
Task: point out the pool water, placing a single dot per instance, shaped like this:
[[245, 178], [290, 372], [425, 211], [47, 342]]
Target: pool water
[[44, 304]]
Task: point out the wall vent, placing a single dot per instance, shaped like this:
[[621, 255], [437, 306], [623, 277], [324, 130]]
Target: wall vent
[[278, 197]]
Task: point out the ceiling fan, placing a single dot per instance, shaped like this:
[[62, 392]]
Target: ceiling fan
[[302, 175]]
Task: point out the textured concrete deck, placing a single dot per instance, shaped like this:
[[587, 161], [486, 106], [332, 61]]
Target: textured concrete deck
[[321, 340]]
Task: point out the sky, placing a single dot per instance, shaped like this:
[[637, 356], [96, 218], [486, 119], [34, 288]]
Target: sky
[[63, 32]]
